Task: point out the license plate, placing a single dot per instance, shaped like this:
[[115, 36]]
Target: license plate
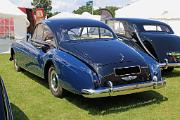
[[127, 71]]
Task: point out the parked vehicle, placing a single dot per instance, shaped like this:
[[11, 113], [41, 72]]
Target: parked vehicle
[[5, 107], [85, 57], [154, 37]]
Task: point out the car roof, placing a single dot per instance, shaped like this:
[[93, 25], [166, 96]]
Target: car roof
[[139, 21], [74, 22]]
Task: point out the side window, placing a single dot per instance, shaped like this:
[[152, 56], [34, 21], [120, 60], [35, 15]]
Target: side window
[[38, 33], [48, 36], [119, 27], [129, 30]]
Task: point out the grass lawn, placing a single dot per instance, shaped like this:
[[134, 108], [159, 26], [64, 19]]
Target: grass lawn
[[31, 100]]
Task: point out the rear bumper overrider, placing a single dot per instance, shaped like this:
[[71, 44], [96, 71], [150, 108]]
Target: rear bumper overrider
[[123, 90]]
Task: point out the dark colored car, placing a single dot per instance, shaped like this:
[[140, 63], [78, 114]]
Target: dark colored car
[[154, 37], [5, 108], [85, 57]]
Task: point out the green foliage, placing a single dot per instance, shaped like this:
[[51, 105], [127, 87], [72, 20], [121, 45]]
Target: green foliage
[[52, 14], [112, 9], [46, 4], [88, 8], [84, 8]]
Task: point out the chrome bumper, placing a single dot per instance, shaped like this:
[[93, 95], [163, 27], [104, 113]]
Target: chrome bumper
[[166, 65], [122, 90]]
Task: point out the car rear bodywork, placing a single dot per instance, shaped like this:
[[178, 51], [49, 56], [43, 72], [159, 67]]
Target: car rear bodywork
[[107, 58]]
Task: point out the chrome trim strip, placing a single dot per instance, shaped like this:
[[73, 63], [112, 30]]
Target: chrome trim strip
[[141, 42], [122, 90]]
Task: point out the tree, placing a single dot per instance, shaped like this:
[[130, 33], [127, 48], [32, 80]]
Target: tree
[[84, 8], [112, 9], [46, 4], [53, 14], [88, 8]]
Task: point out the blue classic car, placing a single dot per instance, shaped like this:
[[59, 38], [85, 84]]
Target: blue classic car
[[5, 108], [154, 37], [85, 57]]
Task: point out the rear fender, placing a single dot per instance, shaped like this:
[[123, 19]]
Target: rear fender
[[73, 74]]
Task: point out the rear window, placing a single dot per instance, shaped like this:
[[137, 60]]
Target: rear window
[[86, 33], [156, 28]]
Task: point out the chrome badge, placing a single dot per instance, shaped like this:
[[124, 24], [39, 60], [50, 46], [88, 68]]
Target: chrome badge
[[129, 78]]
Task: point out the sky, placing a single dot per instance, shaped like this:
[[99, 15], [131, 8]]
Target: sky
[[70, 5]]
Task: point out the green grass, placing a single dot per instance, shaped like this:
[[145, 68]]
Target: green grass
[[31, 100]]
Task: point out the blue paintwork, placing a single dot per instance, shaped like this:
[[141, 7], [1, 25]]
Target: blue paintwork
[[79, 63], [162, 42], [5, 108]]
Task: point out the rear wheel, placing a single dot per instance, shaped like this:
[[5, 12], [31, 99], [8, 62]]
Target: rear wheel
[[16, 67], [168, 70], [55, 87]]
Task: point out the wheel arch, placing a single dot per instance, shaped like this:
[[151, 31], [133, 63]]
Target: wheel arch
[[48, 64]]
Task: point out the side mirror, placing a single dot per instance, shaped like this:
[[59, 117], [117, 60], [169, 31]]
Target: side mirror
[[28, 37]]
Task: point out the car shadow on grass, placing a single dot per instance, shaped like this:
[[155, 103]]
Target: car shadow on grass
[[36, 78], [18, 114], [174, 73], [108, 105]]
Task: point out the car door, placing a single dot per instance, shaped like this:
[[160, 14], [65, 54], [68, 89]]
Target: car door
[[34, 64], [42, 41]]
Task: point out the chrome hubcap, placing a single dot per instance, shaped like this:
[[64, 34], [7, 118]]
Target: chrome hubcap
[[54, 81]]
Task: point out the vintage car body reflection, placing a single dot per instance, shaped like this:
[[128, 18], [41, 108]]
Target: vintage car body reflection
[[85, 57], [5, 108], [156, 38]]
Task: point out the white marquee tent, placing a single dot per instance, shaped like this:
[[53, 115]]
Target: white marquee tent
[[7, 9], [163, 10], [84, 15], [90, 16], [16, 29]]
